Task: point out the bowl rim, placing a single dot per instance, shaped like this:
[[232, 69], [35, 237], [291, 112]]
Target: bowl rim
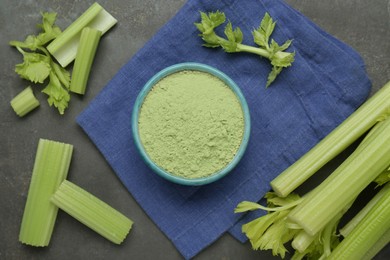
[[138, 104]]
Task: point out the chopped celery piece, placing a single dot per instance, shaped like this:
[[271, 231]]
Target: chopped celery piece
[[89, 41], [346, 182], [24, 102], [50, 169], [64, 47], [339, 139], [371, 229], [92, 212]]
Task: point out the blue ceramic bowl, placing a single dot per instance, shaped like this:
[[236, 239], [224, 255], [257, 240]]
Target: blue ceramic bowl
[[140, 99]]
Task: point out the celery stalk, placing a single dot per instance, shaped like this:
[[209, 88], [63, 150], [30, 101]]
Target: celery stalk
[[346, 182], [378, 246], [50, 169], [89, 41], [302, 241], [64, 47], [338, 140], [363, 212], [325, 238], [24, 102], [92, 212], [367, 233]]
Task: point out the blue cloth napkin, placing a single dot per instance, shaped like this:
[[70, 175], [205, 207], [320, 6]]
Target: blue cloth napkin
[[326, 83]]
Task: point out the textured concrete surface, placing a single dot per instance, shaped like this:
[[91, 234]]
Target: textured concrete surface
[[365, 25]]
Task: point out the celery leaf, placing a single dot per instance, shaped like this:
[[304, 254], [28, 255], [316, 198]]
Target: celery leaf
[[274, 200], [50, 30], [270, 232], [31, 42], [246, 206], [58, 95], [35, 67], [267, 26], [275, 237], [207, 25], [234, 37], [256, 228], [62, 74], [262, 34], [273, 74]]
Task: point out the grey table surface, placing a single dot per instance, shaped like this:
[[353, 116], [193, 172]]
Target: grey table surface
[[365, 25]]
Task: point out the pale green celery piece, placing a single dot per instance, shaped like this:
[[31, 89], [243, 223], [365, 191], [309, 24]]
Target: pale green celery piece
[[50, 169], [24, 102], [92, 212], [324, 241], [370, 230], [363, 212], [346, 182], [338, 140], [378, 246], [302, 241], [89, 42], [64, 47]]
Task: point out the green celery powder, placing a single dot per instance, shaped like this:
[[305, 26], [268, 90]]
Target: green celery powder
[[191, 124]]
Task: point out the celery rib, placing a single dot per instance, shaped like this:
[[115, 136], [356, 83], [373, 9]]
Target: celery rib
[[378, 246], [363, 212], [302, 241], [24, 102], [371, 229], [64, 47], [92, 212], [89, 42], [346, 182], [338, 140], [50, 169]]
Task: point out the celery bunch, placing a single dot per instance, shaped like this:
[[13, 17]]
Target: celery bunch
[[311, 222]]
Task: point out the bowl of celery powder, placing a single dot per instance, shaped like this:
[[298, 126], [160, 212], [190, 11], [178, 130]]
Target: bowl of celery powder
[[191, 124]]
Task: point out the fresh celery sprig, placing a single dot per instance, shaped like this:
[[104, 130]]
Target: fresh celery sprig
[[267, 48], [50, 169], [367, 233], [92, 212], [24, 102], [358, 123]]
